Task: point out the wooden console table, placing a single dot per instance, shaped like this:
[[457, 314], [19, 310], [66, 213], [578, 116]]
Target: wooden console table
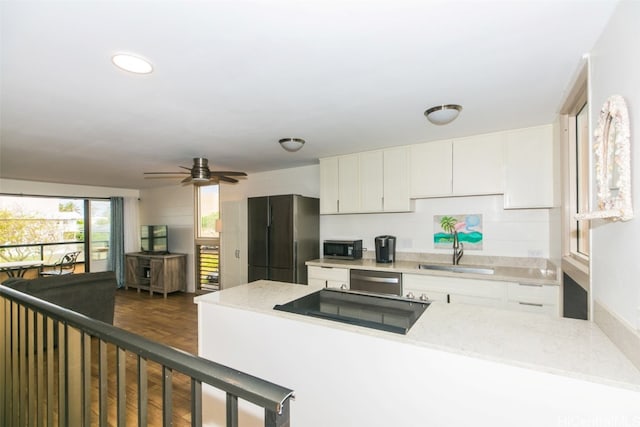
[[156, 273]]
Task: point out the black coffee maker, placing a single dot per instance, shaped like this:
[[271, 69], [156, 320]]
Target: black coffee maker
[[385, 248]]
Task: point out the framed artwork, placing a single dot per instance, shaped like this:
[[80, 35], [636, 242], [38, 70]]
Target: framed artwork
[[468, 227]]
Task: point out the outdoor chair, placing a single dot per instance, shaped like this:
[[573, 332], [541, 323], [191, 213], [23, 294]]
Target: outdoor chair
[[66, 265]]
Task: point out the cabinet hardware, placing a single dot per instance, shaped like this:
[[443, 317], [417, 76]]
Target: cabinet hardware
[[535, 285], [530, 303]]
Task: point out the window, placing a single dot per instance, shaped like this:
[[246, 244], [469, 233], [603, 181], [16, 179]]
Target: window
[[207, 237], [45, 228], [208, 209], [576, 167]]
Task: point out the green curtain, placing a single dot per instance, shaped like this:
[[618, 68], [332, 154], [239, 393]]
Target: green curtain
[[116, 240]]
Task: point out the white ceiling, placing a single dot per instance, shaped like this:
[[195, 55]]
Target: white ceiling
[[233, 77]]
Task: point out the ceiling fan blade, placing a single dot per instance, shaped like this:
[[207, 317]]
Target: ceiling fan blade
[[186, 180], [228, 173], [184, 167], [165, 173], [227, 179]]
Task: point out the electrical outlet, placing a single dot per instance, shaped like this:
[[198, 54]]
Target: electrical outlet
[[534, 253]]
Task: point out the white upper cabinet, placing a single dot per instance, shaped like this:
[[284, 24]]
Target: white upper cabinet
[[431, 169], [329, 185], [349, 183], [529, 168], [517, 163], [371, 181], [459, 167], [478, 165], [396, 180], [340, 184]]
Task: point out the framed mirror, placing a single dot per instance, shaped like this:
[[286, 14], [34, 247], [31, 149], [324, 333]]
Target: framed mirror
[[612, 162]]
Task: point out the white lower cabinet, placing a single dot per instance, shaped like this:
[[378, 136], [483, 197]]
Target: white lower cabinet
[[468, 291], [328, 277], [534, 298], [491, 293]]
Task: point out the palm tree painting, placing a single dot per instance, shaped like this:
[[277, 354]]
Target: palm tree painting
[[468, 227]]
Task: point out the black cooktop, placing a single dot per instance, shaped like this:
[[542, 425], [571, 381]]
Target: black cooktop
[[387, 313]]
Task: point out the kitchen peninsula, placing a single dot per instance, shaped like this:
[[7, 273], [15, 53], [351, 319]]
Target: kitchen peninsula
[[458, 365]]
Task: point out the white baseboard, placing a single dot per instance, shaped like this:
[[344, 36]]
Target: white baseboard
[[619, 331]]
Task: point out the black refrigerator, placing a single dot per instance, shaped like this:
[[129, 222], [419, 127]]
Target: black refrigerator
[[284, 232]]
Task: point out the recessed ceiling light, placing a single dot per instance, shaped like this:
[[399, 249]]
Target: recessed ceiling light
[[132, 63]]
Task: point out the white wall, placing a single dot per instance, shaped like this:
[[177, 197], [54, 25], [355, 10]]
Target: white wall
[[615, 70], [173, 206], [303, 180]]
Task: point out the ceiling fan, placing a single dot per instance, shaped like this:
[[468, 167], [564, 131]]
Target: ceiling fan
[[200, 174]]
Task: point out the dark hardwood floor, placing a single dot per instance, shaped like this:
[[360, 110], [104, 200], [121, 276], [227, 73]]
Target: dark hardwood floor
[[171, 321]]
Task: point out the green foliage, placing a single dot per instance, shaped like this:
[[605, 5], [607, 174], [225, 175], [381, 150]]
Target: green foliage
[[19, 228], [68, 207], [448, 223], [208, 224]]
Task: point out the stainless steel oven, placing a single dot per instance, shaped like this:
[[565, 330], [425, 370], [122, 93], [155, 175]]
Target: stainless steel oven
[[381, 282]]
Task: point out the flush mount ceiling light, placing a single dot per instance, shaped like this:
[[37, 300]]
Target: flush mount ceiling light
[[443, 114], [132, 63], [291, 144]]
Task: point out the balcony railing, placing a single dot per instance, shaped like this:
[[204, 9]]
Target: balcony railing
[[47, 381], [48, 253]]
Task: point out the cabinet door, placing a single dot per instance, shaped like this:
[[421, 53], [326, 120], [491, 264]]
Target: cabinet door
[[534, 298], [157, 274], [131, 272], [318, 283], [349, 184], [478, 165], [371, 181], [329, 185], [529, 168], [431, 169], [233, 244], [330, 277], [463, 290], [396, 180]]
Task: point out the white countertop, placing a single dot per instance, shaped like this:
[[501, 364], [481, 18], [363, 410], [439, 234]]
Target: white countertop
[[509, 273], [568, 347]]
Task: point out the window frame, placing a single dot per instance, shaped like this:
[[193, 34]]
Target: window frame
[[205, 244], [575, 263]]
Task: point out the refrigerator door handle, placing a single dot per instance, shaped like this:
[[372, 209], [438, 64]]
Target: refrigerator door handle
[[295, 259]]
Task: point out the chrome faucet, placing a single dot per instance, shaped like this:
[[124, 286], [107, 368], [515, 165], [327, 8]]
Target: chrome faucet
[[458, 249]]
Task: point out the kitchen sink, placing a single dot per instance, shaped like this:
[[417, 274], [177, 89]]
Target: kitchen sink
[[383, 312], [456, 268]]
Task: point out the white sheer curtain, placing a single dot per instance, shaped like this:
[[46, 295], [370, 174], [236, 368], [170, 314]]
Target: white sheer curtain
[[131, 225]]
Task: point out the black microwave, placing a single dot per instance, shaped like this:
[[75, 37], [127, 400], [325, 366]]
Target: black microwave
[[342, 249]]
